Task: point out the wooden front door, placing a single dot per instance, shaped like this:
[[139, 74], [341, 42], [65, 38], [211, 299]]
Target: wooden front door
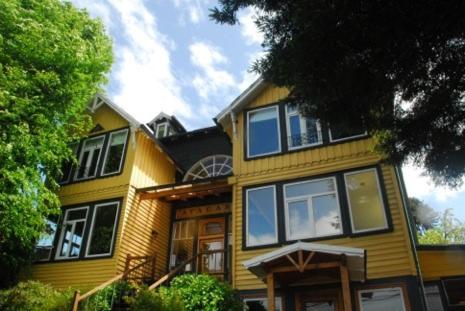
[[211, 247], [321, 300]]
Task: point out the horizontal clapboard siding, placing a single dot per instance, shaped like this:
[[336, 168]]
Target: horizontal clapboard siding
[[441, 263]]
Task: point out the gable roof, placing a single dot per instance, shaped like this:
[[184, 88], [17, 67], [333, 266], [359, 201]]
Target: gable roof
[[173, 120], [99, 100], [242, 100]]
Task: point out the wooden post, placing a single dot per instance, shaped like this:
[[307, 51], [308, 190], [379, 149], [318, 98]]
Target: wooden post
[[270, 290], [77, 295], [345, 287]]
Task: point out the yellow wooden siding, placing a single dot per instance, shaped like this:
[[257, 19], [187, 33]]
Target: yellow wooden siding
[[388, 254], [435, 264], [108, 119]]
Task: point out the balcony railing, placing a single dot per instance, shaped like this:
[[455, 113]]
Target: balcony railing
[[304, 139]]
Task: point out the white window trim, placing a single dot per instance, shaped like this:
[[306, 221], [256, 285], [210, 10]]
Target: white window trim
[[278, 300], [89, 238], [302, 125], [165, 133], [81, 153], [359, 295], [386, 225], [276, 108], [247, 243], [309, 198], [108, 148], [345, 138], [62, 233]]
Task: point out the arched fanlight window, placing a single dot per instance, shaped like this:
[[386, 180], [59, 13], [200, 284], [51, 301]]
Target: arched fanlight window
[[211, 166]]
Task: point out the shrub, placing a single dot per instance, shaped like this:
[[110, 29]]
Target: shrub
[[161, 300], [204, 292], [35, 296], [104, 299]]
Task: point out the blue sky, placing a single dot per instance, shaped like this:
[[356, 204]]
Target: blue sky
[[170, 57]]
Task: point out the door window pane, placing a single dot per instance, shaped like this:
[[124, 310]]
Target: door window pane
[[319, 306], [182, 243], [385, 299], [312, 209], [301, 131], [103, 229], [114, 156], [263, 132], [261, 216], [365, 201]]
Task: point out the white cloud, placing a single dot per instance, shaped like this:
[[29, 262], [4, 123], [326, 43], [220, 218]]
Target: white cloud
[[142, 67], [194, 9], [211, 78], [249, 29], [421, 186]]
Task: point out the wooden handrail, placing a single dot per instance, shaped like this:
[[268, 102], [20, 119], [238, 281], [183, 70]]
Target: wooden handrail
[[173, 272], [78, 297]]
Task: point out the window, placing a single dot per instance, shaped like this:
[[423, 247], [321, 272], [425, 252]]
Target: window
[[381, 299], [45, 244], [162, 130], [89, 157], [102, 230], [346, 131], [261, 304], [182, 242], [115, 150], [72, 233], [301, 131], [212, 166], [312, 209], [263, 132], [433, 298], [67, 166], [261, 218], [365, 201], [455, 291]]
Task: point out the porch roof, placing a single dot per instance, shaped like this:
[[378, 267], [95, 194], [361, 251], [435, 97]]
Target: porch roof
[[354, 259]]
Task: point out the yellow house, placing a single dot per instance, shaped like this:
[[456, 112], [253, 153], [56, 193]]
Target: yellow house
[[295, 214]]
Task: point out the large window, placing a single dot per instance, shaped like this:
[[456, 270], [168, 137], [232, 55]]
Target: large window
[[89, 157], [312, 209], [301, 131], [455, 291], [365, 201], [261, 218], [103, 229], [212, 166], [72, 233], [115, 151], [381, 299], [263, 132], [346, 131]]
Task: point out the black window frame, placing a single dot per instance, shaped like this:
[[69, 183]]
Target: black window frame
[[85, 238], [283, 139], [99, 169], [444, 291], [344, 208]]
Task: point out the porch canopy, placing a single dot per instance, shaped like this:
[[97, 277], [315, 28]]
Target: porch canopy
[[309, 264]]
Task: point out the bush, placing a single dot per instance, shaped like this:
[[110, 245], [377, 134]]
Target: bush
[[161, 300], [35, 296], [204, 292], [104, 299]]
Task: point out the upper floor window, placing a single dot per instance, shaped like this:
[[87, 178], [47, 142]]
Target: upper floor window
[[162, 130], [67, 166], [345, 131], [211, 166], [301, 131], [114, 154], [365, 201], [312, 209], [263, 132], [89, 157]]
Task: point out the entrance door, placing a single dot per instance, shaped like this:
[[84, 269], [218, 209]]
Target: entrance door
[[322, 300], [211, 247]]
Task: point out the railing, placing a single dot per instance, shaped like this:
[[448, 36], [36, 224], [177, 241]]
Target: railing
[[137, 269], [194, 261]]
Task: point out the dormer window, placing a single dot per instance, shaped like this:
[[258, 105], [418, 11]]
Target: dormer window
[[162, 130]]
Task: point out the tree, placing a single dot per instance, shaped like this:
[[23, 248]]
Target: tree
[[53, 59], [399, 66], [424, 216], [449, 230]]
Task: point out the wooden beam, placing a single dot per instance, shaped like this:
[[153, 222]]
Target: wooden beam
[[270, 291], [322, 265], [310, 256], [345, 282], [301, 261], [293, 262]]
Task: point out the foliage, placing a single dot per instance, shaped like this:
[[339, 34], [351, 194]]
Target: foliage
[[161, 300], [398, 65], [204, 292], [449, 230], [424, 216], [53, 59], [35, 296], [104, 299]]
